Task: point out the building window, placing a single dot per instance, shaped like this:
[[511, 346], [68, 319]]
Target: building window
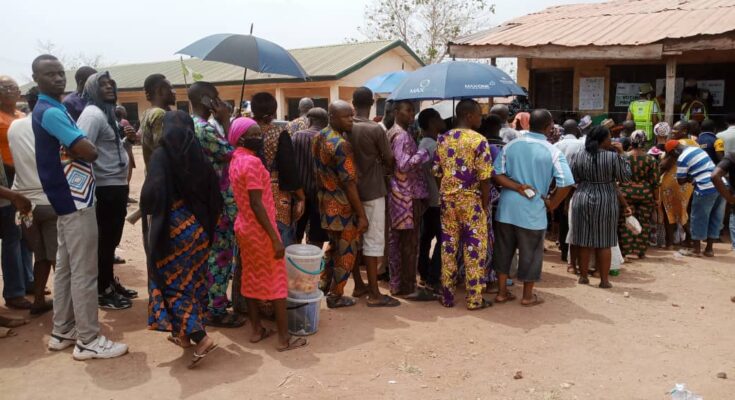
[[183, 106], [132, 109]]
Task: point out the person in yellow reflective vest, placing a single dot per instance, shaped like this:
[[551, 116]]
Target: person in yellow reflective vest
[[644, 111], [691, 107]]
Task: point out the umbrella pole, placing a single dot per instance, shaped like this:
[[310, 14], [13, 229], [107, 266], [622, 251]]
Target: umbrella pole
[[242, 90]]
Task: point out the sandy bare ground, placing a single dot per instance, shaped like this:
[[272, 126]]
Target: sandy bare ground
[[676, 325]]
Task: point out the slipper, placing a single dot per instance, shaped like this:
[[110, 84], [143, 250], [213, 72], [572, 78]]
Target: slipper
[[197, 358], [48, 305], [12, 322], [421, 294], [177, 341], [360, 293], [385, 301], [709, 253], [485, 304], [18, 303], [293, 343], [536, 301], [508, 297], [340, 302], [228, 320], [7, 332], [583, 280], [265, 333]]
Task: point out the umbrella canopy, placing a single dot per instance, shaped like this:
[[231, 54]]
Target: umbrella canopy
[[387, 82], [246, 51], [455, 80]]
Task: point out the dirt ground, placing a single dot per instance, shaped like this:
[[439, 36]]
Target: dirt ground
[[674, 326]]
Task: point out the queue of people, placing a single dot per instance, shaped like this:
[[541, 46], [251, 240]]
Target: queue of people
[[225, 195]]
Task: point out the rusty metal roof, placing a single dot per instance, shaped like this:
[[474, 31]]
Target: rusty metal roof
[[617, 22]]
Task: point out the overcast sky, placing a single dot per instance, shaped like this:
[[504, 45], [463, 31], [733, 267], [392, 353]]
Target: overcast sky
[[147, 30]]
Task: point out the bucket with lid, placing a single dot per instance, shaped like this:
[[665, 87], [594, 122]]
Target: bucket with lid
[[304, 264]]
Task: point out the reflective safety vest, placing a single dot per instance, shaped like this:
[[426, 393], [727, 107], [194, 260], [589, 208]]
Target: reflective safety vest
[[642, 110], [696, 105]]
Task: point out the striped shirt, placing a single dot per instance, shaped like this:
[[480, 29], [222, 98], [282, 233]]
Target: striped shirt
[[695, 163]]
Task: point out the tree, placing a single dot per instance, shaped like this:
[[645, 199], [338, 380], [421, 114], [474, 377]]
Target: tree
[[425, 25], [71, 62]]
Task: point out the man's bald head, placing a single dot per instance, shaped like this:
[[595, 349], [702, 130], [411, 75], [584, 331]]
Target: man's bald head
[[318, 118], [541, 121], [502, 111], [199, 89], [571, 127], [629, 126], [340, 116]]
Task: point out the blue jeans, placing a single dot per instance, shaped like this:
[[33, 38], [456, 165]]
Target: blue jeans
[[16, 259], [708, 211], [287, 234]]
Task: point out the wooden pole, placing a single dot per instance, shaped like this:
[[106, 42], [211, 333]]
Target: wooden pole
[[670, 89]]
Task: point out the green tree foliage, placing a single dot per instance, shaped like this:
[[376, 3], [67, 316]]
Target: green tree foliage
[[425, 25]]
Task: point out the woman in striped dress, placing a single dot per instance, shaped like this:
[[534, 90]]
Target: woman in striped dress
[[182, 199], [595, 204]]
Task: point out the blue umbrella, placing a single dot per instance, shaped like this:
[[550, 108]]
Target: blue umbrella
[[387, 82], [456, 80], [246, 51]]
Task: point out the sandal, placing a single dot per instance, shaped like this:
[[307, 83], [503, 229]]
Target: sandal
[[229, 320], [340, 302], [536, 301], [18, 303], [485, 304], [709, 253], [385, 301], [177, 341], [360, 293], [293, 343], [7, 332], [583, 280], [12, 322], [197, 358], [48, 305], [421, 294], [265, 333], [508, 297]]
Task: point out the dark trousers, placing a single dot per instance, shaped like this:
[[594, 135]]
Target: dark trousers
[[112, 204], [431, 228], [563, 231]]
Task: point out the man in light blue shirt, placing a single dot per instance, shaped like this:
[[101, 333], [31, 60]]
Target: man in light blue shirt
[[525, 170]]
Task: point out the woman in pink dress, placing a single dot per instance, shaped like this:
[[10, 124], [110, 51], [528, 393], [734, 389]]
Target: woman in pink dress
[[263, 267]]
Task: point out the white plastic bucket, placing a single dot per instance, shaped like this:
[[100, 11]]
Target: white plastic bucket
[[304, 264], [303, 315]]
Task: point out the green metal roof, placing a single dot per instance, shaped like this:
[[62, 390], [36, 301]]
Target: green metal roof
[[321, 63]]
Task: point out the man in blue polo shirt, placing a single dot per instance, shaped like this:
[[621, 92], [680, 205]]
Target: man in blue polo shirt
[[67, 179], [708, 208], [525, 170]]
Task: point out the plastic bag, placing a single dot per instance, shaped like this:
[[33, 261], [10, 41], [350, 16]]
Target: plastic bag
[[633, 225]]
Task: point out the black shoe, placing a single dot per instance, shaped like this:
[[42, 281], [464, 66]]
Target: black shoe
[[123, 291], [111, 300]]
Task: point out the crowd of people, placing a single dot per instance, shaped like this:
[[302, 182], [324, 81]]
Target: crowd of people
[[421, 202]]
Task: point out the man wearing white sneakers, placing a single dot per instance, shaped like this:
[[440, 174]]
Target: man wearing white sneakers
[[69, 185]]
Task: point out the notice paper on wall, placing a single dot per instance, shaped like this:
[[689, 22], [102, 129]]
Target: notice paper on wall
[[592, 93], [625, 93]]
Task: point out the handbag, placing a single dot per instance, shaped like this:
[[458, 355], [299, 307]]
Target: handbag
[[633, 225]]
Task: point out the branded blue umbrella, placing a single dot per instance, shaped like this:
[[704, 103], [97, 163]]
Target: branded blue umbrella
[[387, 82], [456, 80], [246, 51]]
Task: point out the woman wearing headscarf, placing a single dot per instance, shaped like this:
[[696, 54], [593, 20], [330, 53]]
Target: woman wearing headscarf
[[674, 198], [641, 194], [181, 198], [261, 249], [595, 204]]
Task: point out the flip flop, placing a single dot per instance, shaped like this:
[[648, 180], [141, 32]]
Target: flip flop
[[197, 358], [7, 332], [177, 341], [360, 293], [340, 302], [421, 295], [18, 303], [45, 307], [264, 334], [385, 301], [485, 304], [508, 298], [583, 280], [536, 301], [709, 253], [12, 322], [228, 320], [293, 343]]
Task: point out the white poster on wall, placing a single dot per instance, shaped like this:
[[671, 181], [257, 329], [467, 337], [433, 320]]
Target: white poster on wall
[[678, 87], [592, 93], [716, 89], [626, 93]]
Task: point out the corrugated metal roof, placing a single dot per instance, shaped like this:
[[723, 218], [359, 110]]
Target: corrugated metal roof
[[320, 63], [618, 22]]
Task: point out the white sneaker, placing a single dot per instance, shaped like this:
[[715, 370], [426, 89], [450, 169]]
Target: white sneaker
[[99, 348], [61, 341]]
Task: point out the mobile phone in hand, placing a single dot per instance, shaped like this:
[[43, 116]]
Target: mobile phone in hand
[[530, 193]]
